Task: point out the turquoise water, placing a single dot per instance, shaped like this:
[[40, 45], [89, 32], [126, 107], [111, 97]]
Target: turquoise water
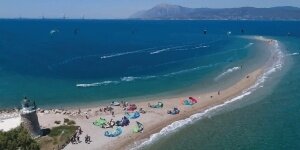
[[267, 119], [67, 62]]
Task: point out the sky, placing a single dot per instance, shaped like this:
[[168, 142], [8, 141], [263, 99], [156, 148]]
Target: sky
[[114, 9]]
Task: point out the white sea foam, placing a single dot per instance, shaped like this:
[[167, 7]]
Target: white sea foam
[[97, 84], [120, 54], [188, 70], [133, 78], [159, 51], [276, 65], [130, 78], [293, 54], [228, 71], [175, 48], [200, 46]]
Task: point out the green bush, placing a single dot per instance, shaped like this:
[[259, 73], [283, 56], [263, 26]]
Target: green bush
[[69, 122], [17, 138], [62, 130], [66, 120]]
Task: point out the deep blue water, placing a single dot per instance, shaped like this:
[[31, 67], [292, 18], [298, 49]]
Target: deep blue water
[[84, 61]]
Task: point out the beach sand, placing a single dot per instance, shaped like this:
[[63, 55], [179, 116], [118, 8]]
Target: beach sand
[[154, 120]]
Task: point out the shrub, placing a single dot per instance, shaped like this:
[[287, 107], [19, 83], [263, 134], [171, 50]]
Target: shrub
[[17, 138], [57, 122]]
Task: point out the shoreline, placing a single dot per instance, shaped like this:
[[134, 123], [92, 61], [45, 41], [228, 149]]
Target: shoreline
[[152, 119], [209, 103]]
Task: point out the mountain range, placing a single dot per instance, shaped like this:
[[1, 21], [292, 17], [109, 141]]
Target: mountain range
[[176, 12]]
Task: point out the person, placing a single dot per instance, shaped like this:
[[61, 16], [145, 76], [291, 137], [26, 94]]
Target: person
[[113, 113], [72, 140], [80, 131], [142, 111], [219, 92], [78, 139], [89, 139], [86, 138]]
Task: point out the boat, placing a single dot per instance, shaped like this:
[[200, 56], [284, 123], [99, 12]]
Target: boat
[[113, 103]]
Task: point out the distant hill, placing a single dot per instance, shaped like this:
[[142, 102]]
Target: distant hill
[[176, 12]]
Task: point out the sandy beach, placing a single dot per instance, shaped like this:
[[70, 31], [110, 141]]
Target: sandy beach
[[153, 120]]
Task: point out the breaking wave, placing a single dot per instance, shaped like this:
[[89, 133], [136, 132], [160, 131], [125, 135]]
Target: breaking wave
[[228, 71], [277, 65]]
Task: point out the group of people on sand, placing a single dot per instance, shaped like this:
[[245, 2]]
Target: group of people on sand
[[108, 109], [109, 124], [75, 139]]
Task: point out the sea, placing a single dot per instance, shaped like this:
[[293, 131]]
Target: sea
[[71, 63]]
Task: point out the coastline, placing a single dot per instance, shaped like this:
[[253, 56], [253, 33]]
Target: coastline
[[152, 120]]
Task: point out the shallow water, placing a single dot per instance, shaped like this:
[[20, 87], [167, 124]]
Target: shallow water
[[265, 119]]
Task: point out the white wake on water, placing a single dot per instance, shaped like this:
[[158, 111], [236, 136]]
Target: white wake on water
[[179, 48], [121, 54], [293, 54], [128, 79], [228, 71], [97, 84], [133, 78], [277, 65]]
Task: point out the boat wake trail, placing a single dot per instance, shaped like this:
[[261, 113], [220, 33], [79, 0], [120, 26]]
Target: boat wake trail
[[97, 84], [190, 70], [128, 79], [182, 47], [120, 54], [268, 70]]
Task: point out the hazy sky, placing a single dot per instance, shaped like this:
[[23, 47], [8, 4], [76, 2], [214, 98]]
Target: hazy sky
[[114, 8]]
